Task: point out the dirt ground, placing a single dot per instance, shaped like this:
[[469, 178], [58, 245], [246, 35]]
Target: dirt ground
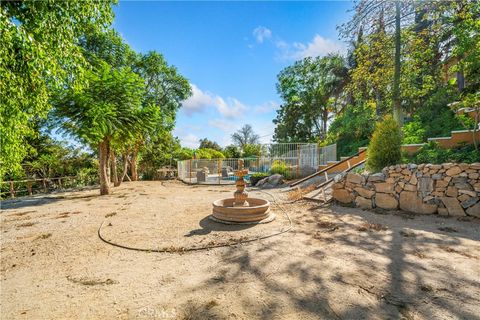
[[336, 263]]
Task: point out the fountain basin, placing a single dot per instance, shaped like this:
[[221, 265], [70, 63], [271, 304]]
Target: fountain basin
[[257, 211]]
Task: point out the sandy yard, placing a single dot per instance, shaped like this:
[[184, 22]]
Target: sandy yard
[[336, 263]]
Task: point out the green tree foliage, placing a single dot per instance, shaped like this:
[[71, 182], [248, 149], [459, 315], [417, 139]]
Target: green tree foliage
[[352, 129], [207, 153], [310, 89], [205, 143], [433, 153], [183, 154], [50, 158], [414, 58], [384, 148], [433, 119], [244, 136], [251, 150], [108, 106], [165, 89], [280, 167], [372, 77], [39, 52], [161, 151], [232, 151]]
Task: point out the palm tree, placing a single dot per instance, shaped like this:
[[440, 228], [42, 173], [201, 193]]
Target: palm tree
[[106, 108]]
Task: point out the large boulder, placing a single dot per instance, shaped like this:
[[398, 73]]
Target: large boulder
[[376, 177], [272, 181], [355, 178], [474, 211], [363, 203], [384, 187], [365, 192], [343, 196], [409, 201], [386, 201], [453, 206]]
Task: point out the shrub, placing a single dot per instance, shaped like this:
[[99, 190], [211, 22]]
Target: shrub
[[351, 129], [254, 178], [207, 153], [433, 153], [252, 150], [280, 167], [384, 148]]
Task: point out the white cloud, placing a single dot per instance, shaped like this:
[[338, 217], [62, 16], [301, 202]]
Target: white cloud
[[262, 33], [224, 125], [190, 140], [318, 47], [266, 107], [231, 108], [225, 114], [198, 102]]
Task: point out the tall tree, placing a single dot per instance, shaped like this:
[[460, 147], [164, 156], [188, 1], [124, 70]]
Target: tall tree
[[310, 89], [39, 52], [245, 136], [208, 144], [165, 89], [109, 105], [366, 15]]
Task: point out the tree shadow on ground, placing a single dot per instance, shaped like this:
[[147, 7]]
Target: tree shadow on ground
[[353, 268], [208, 225]]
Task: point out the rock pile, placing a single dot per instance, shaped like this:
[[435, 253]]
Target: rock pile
[[272, 181], [447, 189]]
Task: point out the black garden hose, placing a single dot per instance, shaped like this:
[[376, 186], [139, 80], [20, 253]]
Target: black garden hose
[[188, 249]]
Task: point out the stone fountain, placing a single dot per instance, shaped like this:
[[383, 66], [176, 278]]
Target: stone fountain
[[241, 209]]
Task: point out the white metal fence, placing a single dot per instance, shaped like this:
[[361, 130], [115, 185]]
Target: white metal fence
[[293, 160]]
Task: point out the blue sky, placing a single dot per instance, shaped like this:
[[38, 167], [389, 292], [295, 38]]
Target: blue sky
[[231, 52]]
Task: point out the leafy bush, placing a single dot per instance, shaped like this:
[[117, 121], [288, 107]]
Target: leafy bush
[[252, 150], [433, 153], [183, 154], [207, 153], [232, 151], [352, 129], [280, 167], [432, 117], [414, 131], [87, 176], [254, 178], [384, 148]]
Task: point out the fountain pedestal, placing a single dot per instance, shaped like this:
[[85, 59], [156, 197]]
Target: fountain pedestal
[[241, 208]]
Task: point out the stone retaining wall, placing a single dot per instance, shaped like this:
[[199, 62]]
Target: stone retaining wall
[[447, 189]]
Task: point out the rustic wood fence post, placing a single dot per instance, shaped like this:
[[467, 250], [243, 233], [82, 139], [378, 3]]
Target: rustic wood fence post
[[29, 187], [44, 182], [12, 190]]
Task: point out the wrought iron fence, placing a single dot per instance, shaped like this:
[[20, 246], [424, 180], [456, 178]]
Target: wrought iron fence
[[293, 160]]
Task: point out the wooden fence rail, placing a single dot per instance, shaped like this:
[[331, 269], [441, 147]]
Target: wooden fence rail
[[44, 185]]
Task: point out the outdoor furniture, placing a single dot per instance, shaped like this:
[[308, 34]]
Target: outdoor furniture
[[202, 175]]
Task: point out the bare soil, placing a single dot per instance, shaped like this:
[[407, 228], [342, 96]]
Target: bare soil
[[336, 263]]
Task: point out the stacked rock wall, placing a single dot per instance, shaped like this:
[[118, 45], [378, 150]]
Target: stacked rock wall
[[447, 189]]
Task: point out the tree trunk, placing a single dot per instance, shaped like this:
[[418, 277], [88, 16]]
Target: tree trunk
[[113, 166], [324, 124], [103, 166], [125, 169], [133, 165], [397, 106]]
